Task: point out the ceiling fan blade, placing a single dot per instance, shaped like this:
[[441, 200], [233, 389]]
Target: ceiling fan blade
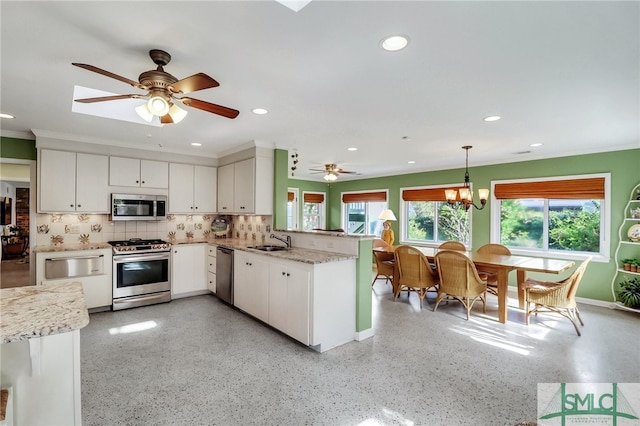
[[346, 172], [108, 98], [110, 74], [166, 119], [196, 82], [209, 107]]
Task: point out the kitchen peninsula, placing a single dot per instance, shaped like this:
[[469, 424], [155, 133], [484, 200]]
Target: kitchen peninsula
[[40, 351]]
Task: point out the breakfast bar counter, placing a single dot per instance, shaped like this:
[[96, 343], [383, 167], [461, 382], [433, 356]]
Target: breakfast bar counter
[[40, 351]]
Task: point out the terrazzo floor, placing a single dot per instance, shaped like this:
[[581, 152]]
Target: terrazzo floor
[[205, 363]]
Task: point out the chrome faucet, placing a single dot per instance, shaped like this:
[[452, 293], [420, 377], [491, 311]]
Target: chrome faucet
[[286, 239]]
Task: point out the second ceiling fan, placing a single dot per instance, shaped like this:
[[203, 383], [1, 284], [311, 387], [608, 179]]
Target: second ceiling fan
[[331, 171], [162, 89]]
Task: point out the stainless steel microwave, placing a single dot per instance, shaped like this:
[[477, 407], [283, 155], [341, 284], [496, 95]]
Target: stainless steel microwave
[[138, 207]]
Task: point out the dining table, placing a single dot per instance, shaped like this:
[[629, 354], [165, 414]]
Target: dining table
[[501, 265]]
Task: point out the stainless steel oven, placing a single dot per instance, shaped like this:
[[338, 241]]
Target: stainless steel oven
[[141, 273]]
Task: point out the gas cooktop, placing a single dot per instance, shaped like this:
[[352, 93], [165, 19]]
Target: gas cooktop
[[139, 245]]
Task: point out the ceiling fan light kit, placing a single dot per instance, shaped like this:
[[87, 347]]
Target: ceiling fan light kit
[[466, 193], [161, 89]]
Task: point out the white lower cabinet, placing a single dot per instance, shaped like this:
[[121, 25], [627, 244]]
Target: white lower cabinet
[[313, 303], [251, 284], [188, 270], [97, 289], [211, 268], [289, 299]]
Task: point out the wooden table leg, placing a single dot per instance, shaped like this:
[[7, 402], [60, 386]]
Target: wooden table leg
[[503, 287], [521, 277]]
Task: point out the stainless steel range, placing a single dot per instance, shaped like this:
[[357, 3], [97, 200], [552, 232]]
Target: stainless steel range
[[141, 273]]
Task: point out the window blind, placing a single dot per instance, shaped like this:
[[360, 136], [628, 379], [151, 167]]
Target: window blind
[[426, 194], [314, 198], [290, 196], [571, 189], [364, 197]]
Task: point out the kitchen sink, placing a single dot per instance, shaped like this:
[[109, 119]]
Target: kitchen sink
[[268, 248]]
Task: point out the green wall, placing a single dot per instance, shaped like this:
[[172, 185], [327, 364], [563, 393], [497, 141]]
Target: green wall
[[624, 167], [22, 149]]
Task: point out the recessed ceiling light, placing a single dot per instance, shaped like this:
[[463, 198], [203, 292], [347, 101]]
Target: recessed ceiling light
[[492, 118], [259, 111], [411, 162], [196, 144], [6, 115], [533, 145], [352, 149], [394, 43]]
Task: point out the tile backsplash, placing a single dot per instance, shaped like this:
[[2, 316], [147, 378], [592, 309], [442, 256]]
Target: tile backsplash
[[95, 228]]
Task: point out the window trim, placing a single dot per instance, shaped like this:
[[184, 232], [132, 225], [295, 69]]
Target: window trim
[[296, 207], [323, 208], [605, 225], [404, 223]]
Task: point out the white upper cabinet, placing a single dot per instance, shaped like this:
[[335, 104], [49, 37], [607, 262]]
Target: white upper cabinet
[[72, 182], [246, 186], [138, 173], [225, 188], [192, 189]]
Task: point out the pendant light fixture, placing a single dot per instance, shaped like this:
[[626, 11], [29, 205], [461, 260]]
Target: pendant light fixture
[[466, 194]]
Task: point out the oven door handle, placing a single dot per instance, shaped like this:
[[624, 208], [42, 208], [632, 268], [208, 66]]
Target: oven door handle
[[142, 257]]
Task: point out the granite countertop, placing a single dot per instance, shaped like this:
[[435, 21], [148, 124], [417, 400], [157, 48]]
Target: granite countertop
[[295, 254], [71, 247], [43, 310]]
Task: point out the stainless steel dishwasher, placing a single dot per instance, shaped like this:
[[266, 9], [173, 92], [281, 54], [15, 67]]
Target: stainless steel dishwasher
[[224, 274]]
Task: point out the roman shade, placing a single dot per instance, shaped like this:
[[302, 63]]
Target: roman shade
[[364, 197], [313, 198], [569, 189], [427, 194], [290, 196]]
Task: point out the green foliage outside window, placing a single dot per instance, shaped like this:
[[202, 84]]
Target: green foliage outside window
[[573, 225], [452, 223]]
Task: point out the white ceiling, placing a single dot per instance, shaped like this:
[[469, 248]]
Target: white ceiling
[[565, 74]]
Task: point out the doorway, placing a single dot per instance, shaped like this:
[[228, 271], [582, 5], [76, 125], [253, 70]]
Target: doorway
[[16, 267]]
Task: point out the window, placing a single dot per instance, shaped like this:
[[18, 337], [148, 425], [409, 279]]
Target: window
[[564, 215], [292, 208], [313, 211], [429, 219], [360, 212]]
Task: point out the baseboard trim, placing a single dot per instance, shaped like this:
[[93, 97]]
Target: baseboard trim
[[365, 334]]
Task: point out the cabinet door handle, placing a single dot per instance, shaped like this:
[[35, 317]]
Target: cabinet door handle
[[137, 181], [143, 181], [79, 205], [283, 273], [196, 207], [288, 274], [70, 205]]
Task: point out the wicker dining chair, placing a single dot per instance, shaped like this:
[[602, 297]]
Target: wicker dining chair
[[452, 245], [490, 276], [414, 272], [558, 297], [459, 279], [384, 265]]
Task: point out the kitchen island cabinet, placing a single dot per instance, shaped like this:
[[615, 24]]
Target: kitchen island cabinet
[[311, 301], [40, 352]]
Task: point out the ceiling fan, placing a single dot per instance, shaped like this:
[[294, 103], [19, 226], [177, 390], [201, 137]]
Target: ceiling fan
[[331, 172], [162, 89]]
